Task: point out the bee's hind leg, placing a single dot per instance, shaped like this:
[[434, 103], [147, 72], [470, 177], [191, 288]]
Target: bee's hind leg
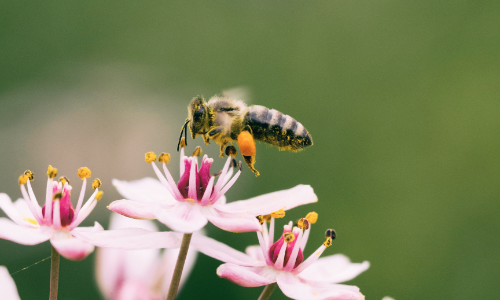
[[222, 146], [250, 161], [248, 150]]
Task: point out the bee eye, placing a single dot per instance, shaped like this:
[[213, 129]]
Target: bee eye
[[330, 233]]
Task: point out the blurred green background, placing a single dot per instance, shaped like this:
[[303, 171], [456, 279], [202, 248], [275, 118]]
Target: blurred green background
[[401, 98]]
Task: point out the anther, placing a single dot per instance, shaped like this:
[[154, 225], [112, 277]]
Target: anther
[[57, 196], [150, 157], [240, 165], [330, 233], [278, 214], [23, 179], [197, 151], [63, 179], [164, 158], [303, 223], [84, 173], [328, 242], [289, 237], [312, 217], [98, 196], [183, 143], [51, 172], [217, 173], [30, 175], [261, 219], [96, 184], [234, 163], [231, 151]]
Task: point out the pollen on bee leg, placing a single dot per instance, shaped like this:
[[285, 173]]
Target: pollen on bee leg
[[150, 157], [278, 214], [289, 237], [312, 217], [51, 172], [96, 184], [197, 151], [164, 158], [23, 179], [30, 175], [84, 173]]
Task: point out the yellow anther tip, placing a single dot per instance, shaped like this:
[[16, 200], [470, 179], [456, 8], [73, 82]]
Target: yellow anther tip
[[23, 179], [30, 175], [150, 157], [197, 151], [328, 242], [51, 172], [183, 143], [84, 173], [303, 223], [312, 217], [98, 196], [289, 237], [164, 158], [278, 214], [96, 184]]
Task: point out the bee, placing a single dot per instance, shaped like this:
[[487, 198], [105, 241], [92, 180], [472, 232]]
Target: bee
[[227, 120]]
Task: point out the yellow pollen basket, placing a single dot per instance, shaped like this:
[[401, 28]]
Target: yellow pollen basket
[[164, 158], [30, 175], [84, 173], [96, 184], [51, 172], [289, 237], [278, 214], [150, 157], [312, 217], [23, 179], [98, 196]]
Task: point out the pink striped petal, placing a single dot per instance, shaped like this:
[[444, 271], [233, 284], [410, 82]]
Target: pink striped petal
[[247, 276], [223, 252], [231, 222], [296, 288], [7, 285], [146, 190], [268, 203], [184, 217], [133, 209], [334, 269], [21, 234], [71, 247]]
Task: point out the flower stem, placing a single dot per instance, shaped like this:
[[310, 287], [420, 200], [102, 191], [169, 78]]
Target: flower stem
[[179, 265], [268, 290], [54, 273]]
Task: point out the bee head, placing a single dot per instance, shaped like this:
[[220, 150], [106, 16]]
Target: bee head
[[198, 114]]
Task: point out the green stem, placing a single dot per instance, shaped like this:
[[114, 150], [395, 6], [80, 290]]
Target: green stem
[[179, 265], [54, 273], [268, 290]]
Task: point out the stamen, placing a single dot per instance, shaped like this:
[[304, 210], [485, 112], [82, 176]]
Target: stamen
[[312, 217], [278, 214], [150, 157], [295, 253], [264, 249], [331, 233], [173, 187], [197, 151], [23, 179], [96, 184], [289, 237], [56, 221], [192, 180], [48, 200], [220, 181], [183, 143], [231, 151], [271, 233], [164, 158], [57, 196], [30, 175], [63, 180], [303, 223], [51, 172], [261, 219], [208, 192], [217, 173], [328, 242], [281, 257], [226, 187], [98, 196], [84, 173]]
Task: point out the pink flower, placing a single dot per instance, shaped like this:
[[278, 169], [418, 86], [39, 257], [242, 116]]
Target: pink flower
[[187, 206], [57, 220], [282, 262], [7, 285], [137, 274]]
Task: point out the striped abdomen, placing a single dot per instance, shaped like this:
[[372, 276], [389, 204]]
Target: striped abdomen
[[276, 128]]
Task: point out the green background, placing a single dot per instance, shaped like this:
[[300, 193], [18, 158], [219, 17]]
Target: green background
[[401, 98]]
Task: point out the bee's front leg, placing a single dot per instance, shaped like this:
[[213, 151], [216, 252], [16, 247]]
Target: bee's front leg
[[206, 139]]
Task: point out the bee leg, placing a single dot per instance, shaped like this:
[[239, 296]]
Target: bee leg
[[222, 146], [206, 139], [214, 131], [250, 160]]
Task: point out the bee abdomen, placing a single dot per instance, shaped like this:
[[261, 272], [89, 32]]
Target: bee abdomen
[[276, 128]]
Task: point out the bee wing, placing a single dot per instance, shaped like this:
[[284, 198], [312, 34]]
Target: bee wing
[[238, 93]]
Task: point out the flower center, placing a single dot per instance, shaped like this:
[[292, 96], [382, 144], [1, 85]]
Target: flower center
[[62, 193], [290, 238]]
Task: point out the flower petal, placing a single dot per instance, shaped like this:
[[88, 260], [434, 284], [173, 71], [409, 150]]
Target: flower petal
[[71, 247], [7, 285], [231, 222], [247, 276], [129, 238], [134, 209], [184, 217], [166, 266], [334, 269], [268, 203], [18, 212], [146, 190], [222, 252], [255, 252], [21, 234], [296, 288]]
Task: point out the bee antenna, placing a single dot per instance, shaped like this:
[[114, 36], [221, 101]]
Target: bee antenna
[[183, 130]]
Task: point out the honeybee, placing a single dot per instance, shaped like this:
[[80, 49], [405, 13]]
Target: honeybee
[[227, 120]]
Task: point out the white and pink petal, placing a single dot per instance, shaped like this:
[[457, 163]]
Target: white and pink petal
[[7, 285], [247, 276], [71, 247], [134, 209], [231, 222], [185, 217], [146, 190], [333, 269], [21, 234]]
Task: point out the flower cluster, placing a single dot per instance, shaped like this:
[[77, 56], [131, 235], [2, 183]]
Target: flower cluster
[[130, 263]]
